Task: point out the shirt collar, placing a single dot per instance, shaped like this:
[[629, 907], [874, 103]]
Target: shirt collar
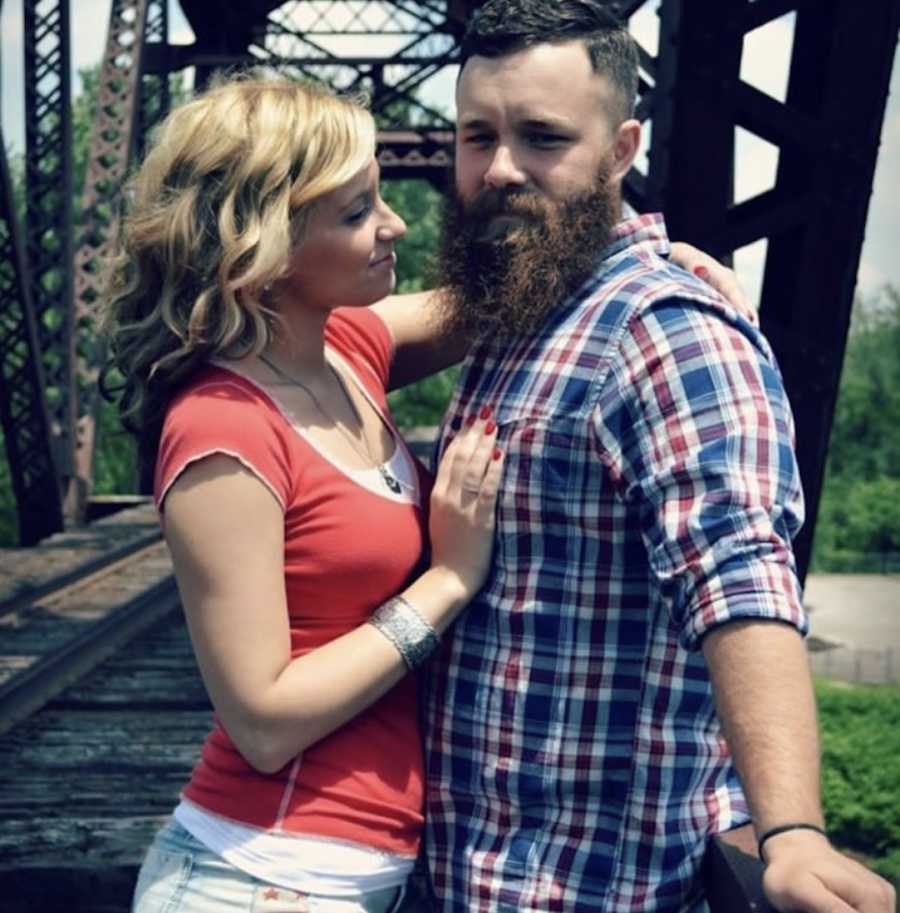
[[636, 232], [647, 231]]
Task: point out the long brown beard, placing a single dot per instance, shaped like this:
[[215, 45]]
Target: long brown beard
[[503, 278]]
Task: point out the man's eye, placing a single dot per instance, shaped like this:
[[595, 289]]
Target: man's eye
[[478, 139], [546, 140]]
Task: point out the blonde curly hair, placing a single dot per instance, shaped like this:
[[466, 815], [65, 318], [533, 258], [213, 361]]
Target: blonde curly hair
[[214, 211]]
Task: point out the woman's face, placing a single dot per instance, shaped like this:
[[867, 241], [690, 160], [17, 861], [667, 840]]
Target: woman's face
[[346, 256]]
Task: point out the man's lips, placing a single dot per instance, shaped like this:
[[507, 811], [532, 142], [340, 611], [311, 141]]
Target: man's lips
[[498, 226]]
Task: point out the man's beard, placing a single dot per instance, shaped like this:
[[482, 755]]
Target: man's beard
[[503, 276]]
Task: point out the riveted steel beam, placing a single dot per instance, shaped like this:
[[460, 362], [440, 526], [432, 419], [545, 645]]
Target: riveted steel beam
[[840, 75], [826, 131], [155, 94], [26, 422], [48, 208], [110, 146]]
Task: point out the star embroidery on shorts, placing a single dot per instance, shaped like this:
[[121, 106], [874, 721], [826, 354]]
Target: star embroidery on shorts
[[271, 894]]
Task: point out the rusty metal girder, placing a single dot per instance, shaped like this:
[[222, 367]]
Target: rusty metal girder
[[423, 38], [156, 97], [26, 424], [48, 206], [410, 42], [111, 142], [416, 154]]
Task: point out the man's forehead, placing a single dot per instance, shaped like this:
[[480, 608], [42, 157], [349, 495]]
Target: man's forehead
[[529, 115], [550, 82]]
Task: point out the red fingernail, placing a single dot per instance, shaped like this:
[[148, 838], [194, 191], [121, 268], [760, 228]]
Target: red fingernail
[[490, 427], [701, 272], [485, 413], [471, 421], [497, 453]]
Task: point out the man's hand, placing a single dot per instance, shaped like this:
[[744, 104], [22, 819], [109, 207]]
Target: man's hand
[[765, 700], [721, 278], [807, 875]]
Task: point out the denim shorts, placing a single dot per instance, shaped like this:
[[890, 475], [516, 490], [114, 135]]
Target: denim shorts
[[180, 875]]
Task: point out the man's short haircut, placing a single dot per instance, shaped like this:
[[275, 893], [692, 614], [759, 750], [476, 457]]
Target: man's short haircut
[[502, 27]]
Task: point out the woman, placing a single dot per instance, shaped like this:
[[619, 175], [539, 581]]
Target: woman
[[255, 376], [293, 511]]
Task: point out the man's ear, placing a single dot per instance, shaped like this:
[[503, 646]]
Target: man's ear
[[626, 144]]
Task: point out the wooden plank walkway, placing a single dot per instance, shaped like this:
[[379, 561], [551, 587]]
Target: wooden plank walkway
[[27, 574], [102, 713], [86, 782], [78, 598]]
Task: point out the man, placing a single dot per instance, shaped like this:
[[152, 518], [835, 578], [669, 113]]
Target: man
[[643, 604]]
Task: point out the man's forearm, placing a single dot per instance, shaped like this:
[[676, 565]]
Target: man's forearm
[[764, 695]]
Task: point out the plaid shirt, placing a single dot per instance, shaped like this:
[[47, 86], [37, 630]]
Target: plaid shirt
[[575, 761]]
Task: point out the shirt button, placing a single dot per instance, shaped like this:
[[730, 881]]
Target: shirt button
[[519, 849]]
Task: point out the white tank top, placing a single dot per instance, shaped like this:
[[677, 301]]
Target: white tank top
[[313, 865]]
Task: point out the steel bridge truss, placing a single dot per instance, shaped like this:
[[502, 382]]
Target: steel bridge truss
[[35, 281], [50, 274], [395, 49], [825, 131], [386, 51]]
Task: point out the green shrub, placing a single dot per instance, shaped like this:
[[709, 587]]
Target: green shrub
[[423, 403], [848, 561], [860, 728]]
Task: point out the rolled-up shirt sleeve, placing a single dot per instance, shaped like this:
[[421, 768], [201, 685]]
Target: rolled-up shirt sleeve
[[694, 426]]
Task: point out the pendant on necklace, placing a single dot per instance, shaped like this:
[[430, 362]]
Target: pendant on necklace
[[392, 483]]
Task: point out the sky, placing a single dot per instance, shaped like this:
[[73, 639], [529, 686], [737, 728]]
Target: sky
[[765, 65]]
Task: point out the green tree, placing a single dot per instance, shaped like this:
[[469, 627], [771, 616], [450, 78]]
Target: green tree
[[865, 438], [419, 204], [873, 517], [859, 514]]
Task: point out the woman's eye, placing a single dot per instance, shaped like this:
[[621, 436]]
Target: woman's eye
[[358, 215]]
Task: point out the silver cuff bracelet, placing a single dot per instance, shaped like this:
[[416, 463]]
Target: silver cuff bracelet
[[405, 627]]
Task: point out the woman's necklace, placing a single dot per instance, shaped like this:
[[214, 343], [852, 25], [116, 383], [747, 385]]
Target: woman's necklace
[[392, 482]]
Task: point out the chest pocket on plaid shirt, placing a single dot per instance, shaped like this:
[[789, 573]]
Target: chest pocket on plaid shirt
[[547, 491], [552, 482]]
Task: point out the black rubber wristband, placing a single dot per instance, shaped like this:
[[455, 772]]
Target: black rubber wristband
[[782, 828]]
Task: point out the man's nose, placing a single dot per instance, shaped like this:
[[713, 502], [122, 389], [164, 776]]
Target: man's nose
[[504, 170]]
